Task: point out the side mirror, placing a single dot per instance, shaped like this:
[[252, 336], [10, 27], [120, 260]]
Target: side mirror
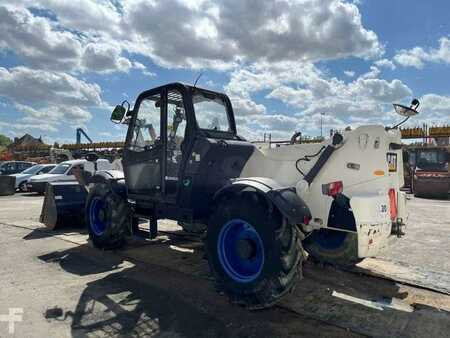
[[118, 114]]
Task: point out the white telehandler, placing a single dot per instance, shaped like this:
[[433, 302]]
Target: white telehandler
[[339, 200]]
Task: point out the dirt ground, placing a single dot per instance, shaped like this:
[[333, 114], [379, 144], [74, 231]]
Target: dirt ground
[[163, 288]]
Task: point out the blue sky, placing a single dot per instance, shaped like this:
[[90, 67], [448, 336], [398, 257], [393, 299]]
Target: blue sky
[[63, 64]]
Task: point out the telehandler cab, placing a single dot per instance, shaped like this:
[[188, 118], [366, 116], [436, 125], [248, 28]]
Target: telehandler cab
[[183, 160]]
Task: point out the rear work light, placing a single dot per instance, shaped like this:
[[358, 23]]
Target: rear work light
[[333, 189]]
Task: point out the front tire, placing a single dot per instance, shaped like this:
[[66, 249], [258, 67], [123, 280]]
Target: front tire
[[22, 187], [255, 255], [108, 217]]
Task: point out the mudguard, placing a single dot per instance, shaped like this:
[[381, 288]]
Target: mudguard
[[107, 175], [115, 178], [284, 198]]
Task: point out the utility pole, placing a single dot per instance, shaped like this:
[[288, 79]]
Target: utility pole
[[321, 124]]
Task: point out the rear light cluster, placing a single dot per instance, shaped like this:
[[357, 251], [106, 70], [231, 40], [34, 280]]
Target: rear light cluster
[[333, 189], [393, 204]]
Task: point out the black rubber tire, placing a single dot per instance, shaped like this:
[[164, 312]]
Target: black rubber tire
[[22, 186], [346, 254], [283, 252], [117, 213]]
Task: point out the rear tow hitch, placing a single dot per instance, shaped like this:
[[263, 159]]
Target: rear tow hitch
[[397, 228]]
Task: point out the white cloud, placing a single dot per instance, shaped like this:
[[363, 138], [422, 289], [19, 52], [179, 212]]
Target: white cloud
[[371, 74], [35, 40], [276, 122], [411, 58], [246, 106], [89, 35], [418, 56], [298, 97], [310, 92], [24, 85], [104, 58], [435, 110], [263, 75], [49, 98], [213, 33], [385, 63], [43, 44], [83, 15], [349, 73], [379, 90], [220, 34]]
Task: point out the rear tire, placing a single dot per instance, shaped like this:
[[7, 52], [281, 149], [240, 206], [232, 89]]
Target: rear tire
[[254, 254], [333, 247], [108, 217]]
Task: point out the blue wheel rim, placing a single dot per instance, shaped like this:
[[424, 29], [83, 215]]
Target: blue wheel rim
[[330, 240], [241, 268], [96, 222]]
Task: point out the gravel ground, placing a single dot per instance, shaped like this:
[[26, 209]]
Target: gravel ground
[[425, 249]]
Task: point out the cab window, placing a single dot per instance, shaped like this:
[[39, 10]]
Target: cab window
[[211, 112], [147, 127]]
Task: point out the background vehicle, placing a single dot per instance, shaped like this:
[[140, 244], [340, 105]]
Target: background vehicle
[[65, 171], [23, 177], [184, 160], [428, 170], [62, 172], [14, 167]]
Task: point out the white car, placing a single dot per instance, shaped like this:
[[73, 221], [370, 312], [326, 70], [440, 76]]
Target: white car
[[62, 172], [23, 177]]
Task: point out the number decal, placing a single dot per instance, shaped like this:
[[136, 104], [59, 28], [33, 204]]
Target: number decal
[[383, 208]]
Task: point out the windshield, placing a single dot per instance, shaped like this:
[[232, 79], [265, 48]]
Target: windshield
[[60, 169], [46, 169], [211, 112], [431, 160], [32, 170]]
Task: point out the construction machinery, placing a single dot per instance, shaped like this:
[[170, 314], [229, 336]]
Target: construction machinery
[[427, 171], [183, 160], [81, 132]]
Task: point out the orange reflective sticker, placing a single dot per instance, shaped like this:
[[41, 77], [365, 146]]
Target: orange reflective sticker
[[378, 172]]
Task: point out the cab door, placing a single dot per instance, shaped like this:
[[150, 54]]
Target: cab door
[[144, 147], [177, 142]]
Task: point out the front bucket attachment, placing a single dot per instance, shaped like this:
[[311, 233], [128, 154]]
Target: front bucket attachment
[[7, 185], [63, 205]]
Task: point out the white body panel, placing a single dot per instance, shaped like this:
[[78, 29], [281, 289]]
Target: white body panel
[[367, 187]]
